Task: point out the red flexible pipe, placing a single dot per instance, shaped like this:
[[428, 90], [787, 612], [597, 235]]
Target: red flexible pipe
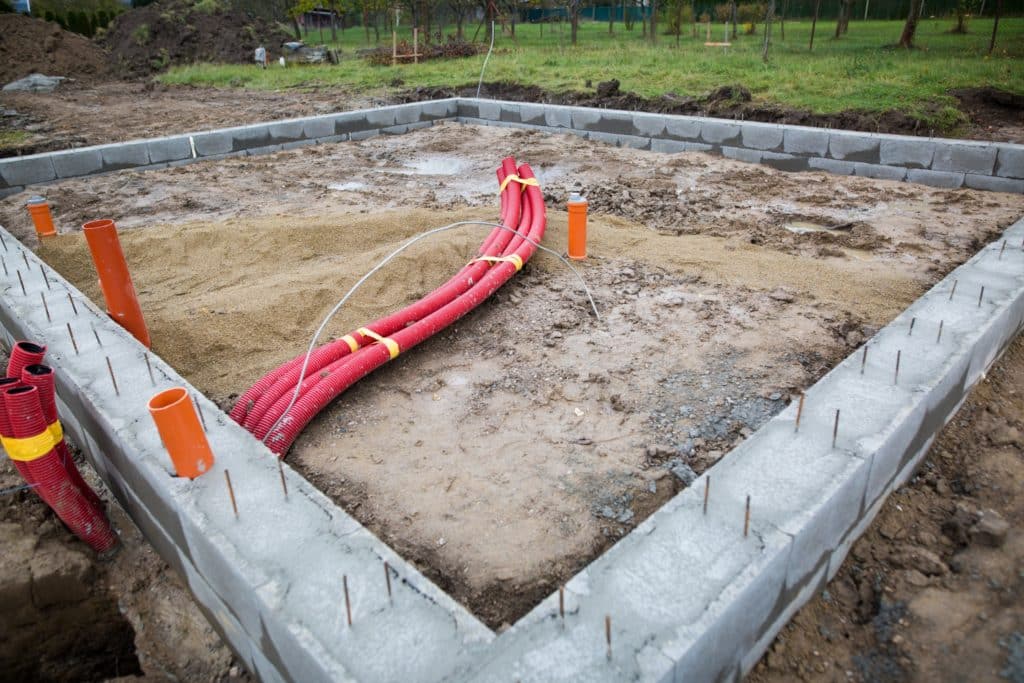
[[24, 353], [260, 400], [285, 387], [5, 426], [25, 413], [367, 359], [41, 377]]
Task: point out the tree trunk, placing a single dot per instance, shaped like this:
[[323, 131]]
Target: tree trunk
[[654, 22], [814, 23], [611, 19], [768, 30], [733, 12], [366, 23], [910, 27], [298, 31], [679, 20], [459, 19], [334, 23], [575, 18], [782, 20], [995, 26]]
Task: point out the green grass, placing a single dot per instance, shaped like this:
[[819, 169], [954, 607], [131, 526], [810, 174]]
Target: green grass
[[854, 72], [12, 139]]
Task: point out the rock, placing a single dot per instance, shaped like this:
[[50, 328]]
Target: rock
[[957, 527], [854, 338], [608, 88], [35, 83], [916, 578], [775, 396], [683, 472], [990, 530], [782, 295], [660, 451], [924, 561], [1005, 435]]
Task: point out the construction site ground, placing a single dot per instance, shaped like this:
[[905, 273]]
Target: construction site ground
[[507, 452]]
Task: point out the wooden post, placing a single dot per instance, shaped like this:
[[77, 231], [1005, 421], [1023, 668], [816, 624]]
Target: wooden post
[[814, 22], [394, 47], [415, 45]]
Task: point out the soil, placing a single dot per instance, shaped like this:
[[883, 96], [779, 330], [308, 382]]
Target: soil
[[79, 114], [993, 114], [35, 46], [69, 616], [563, 442], [148, 39], [934, 590]]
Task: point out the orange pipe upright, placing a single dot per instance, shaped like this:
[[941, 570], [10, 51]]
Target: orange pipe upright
[[41, 216], [115, 280], [181, 432], [577, 227]]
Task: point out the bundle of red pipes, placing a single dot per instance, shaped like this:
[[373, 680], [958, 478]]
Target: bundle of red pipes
[[34, 440], [335, 366]]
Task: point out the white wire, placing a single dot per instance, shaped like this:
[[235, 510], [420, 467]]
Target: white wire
[[396, 252], [484, 67]]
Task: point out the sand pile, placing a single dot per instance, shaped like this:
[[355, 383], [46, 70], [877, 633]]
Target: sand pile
[[30, 46]]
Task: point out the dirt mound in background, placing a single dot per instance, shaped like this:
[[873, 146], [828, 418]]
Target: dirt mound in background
[[728, 102], [36, 46], [151, 38]]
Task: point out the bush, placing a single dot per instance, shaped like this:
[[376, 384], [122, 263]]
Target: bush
[[749, 13], [723, 12]]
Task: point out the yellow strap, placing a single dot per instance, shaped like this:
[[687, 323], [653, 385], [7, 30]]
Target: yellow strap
[[30, 448], [353, 345], [57, 430], [390, 343], [522, 181], [512, 258]]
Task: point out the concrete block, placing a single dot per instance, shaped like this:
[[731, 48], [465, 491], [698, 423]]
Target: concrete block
[[831, 165], [510, 113], [364, 134], [438, 109], [620, 140], [668, 146], [1010, 161], [126, 155], [761, 136], [935, 178], [617, 123], [905, 151], [318, 127], [332, 139], [29, 170], [490, 110], [381, 117], [584, 118], [849, 146], [719, 132], [169, 149], [880, 172], [78, 162], [351, 122], [750, 156], [255, 137], [282, 132], [558, 117], [296, 144], [965, 158], [813, 141], [686, 128], [214, 143], [394, 130], [649, 125], [8, 191], [408, 113], [533, 114], [785, 162], [993, 183], [468, 108]]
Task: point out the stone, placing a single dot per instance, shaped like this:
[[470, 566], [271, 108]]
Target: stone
[[1005, 435], [921, 559], [990, 530], [35, 83], [782, 295], [683, 472]]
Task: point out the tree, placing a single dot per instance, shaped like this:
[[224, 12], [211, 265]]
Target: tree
[[995, 26], [963, 9], [843, 21], [814, 23], [769, 15], [910, 27], [654, 22]]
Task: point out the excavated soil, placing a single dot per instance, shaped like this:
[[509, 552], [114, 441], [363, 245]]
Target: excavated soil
[[509, 450], [35, 46]]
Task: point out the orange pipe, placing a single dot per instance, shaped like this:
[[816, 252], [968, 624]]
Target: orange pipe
[[182, 434], [41, 217], [577, 227], [115, 280]]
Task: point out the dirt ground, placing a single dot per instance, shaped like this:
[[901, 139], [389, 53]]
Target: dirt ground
[[758, 281], [934, 591]]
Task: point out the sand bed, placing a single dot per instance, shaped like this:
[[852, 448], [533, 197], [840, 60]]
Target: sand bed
[[505, 453]]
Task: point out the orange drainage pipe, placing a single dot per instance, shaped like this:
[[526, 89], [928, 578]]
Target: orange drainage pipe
[[577, 227], [180, 430], [41, 216], [115, 280]]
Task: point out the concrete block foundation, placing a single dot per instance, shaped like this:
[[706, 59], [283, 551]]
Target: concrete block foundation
[[690, 596]]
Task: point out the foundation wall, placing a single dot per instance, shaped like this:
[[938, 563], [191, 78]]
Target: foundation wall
[[939, 162]]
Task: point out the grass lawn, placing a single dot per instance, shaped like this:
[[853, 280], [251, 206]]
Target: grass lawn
[[854, 72]]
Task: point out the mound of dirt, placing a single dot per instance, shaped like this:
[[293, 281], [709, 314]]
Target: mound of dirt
[[36, 46], [151, 38], [729, 102]]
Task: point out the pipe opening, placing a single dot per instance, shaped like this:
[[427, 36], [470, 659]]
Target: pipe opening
[[167, 399], [39, 370], [29, 347]]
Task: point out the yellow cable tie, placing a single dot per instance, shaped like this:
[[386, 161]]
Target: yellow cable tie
[[353, 345], [386, 341], [511, 258], [57, 430], [522, 181], [29, 448]]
